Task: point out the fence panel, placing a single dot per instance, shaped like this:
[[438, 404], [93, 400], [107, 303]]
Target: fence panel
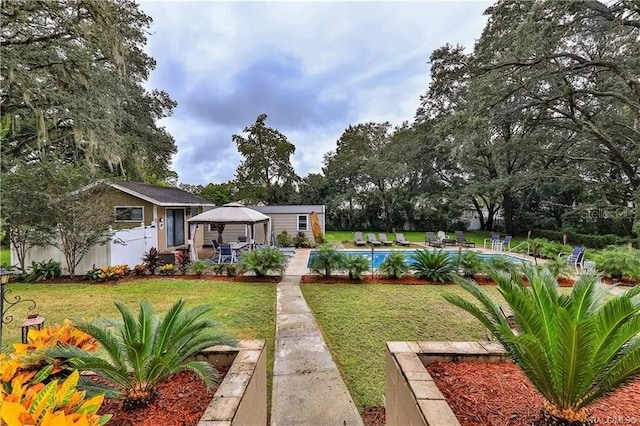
[[129, 245]]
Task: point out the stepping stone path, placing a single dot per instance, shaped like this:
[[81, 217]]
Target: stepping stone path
[[307, 386]]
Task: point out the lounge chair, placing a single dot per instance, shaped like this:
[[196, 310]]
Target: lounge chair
[[493, 241], [384, 240], [359, 240], [371, 239], [400, 239], [442, 237], [430, 240], [502, 245], [576, 258], [462, 241]]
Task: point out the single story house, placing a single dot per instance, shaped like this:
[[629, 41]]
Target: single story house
[[144, 216], [293, 219]]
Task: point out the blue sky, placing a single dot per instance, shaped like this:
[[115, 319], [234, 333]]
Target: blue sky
[[313, 67]]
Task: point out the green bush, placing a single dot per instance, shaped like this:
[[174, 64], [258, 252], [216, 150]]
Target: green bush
[[301, 241], [356, 265], [574, 348], [437, 266], [218, 268], [618, 262], [152, 260], [558, 267], [588, 240], [263, 260], [285, 240], [394, 265], [199, 267], [544, 248], [470, 262], [41, 271], [326, 259], [143, 350], [500, 263]]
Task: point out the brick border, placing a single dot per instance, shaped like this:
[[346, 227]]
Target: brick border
[[412, 396], [241, 398]]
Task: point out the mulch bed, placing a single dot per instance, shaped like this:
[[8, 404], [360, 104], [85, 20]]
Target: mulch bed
[[181, 401], [500, 395], [625, 281], [367, 279], [65, 279]]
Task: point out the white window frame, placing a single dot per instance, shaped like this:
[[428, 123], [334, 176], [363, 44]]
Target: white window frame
[[115, 212], [298, 216]]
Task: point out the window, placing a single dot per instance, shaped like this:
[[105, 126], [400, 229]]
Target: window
[[303, 222], [129, 214]]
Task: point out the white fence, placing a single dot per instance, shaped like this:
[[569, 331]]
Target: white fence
[[127, 246]]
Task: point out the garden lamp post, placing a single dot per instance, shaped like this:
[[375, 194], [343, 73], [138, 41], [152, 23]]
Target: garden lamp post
[[6, 304]]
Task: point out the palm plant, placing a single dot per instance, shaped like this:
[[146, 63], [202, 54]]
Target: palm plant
[[469, 262], [574, 348], [394, 265], [263, 260], [326, 258], [144, 350], [558, 267], [617, 262], [433, 265], [356, 265]]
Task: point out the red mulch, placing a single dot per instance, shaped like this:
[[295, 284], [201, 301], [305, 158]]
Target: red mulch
[[181, 401], [625, 281], [65, 279], [499, 394]]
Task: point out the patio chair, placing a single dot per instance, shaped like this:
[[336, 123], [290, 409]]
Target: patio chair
[[431, 240], [384, 240], [462, 241], [359, 240], [576, 258], [226, 254], [502, 245], [400, 239], [371, 239], [442, 237], [493, 240]]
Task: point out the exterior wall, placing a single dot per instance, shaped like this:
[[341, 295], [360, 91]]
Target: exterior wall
[[241, 398], [412, 397], [119, 198]]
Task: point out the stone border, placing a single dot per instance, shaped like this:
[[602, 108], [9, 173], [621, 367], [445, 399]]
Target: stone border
[[412, 396], [241, 398]]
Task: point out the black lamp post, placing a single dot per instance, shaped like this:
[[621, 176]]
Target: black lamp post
[[6, 304]]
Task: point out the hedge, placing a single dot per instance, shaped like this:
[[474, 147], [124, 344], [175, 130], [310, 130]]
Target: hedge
[[587, 240]]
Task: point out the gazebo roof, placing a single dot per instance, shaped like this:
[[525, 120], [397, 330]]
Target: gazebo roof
[[230, 213]]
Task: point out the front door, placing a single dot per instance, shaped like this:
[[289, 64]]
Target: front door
[[175, 227]]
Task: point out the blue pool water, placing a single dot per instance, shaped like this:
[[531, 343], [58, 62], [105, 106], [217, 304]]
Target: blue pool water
[[379, 255]]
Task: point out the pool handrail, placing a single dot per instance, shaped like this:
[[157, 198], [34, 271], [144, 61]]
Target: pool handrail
[[512, 249]]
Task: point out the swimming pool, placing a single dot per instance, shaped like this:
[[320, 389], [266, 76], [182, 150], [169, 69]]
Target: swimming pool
[[379, 255]]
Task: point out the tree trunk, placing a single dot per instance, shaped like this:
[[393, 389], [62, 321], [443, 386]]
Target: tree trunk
[[478, 208], [507, 206]]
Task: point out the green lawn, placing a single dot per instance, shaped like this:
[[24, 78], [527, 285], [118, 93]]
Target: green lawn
[[245, 309], [418, 236], [357, 320]]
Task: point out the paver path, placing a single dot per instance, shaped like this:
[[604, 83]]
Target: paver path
[[307, 386]]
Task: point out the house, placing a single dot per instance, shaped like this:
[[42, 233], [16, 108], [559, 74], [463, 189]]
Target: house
[[144, 216], [293, 219]]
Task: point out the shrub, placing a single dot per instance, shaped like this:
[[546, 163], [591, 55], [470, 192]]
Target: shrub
[[435, 266], [152, 260], [199, 267], [619, 262], [326, 259], [541, 247], [356, 265], [231, 269], [500, 263], [285, 240], [42, 271], [140, 269], [143, 350], [394, 265], [217, 268], [263, 260], [470, 263], [589, 240], [301, 240], [558, 267], [573, 348], [168, 269], [182, 262]]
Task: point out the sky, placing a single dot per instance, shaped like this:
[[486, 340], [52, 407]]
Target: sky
[[313, 67]]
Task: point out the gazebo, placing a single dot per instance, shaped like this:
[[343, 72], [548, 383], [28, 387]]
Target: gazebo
[[235, 213]]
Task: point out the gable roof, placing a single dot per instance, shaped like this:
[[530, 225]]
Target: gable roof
[[161, 195]]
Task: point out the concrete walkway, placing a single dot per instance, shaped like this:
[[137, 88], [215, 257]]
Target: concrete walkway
[[307, 387]]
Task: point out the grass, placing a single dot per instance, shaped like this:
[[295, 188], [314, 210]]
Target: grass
[[246, 310], [357, 320], [418, 236]]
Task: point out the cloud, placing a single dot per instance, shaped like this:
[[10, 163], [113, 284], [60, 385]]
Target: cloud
[[313, 67]]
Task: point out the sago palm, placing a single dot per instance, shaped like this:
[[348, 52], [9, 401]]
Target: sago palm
[[574, 348], [263, 260], [433, 265], [144, 350]]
